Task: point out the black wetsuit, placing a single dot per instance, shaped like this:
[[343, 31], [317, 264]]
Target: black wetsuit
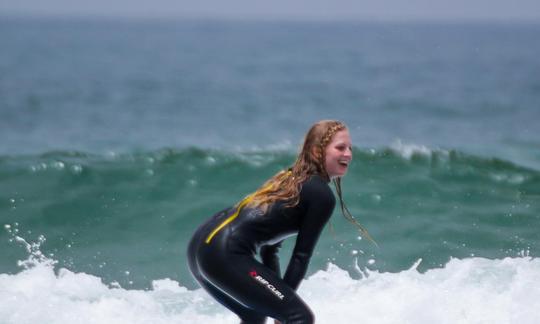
[[227, 268]]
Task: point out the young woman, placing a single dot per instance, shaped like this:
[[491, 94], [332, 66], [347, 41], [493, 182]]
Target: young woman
[[295, 201]]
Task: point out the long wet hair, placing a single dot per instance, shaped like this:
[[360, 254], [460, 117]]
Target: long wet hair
[[286, 184]]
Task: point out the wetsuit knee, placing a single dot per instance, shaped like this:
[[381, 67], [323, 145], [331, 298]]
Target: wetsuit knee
[[299, 314], [254, 320]]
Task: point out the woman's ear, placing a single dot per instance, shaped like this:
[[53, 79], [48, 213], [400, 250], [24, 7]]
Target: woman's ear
[[314, 153]]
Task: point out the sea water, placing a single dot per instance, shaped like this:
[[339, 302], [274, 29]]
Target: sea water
[[118, 138], [472, 290]]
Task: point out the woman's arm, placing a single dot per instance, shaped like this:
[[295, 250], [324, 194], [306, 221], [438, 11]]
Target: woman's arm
[[270, 257], [320, 202]]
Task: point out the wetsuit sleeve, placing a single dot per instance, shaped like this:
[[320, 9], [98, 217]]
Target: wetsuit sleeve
[[320, 203], [270, 257]]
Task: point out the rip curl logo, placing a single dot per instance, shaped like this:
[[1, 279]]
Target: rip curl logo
[[266, 284]]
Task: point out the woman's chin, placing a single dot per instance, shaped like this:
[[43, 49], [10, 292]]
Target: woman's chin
[[338, 174]]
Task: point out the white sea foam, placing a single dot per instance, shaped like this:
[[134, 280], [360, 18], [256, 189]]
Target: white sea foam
[[473, 290], [408, 150]]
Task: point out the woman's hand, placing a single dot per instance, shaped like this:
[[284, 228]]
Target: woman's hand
[[277, 322]]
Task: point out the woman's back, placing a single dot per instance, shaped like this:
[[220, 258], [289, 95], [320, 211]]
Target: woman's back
[[253, 228]]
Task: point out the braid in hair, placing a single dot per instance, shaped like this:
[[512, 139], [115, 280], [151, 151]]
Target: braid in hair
[[325, 140], [320, 158]]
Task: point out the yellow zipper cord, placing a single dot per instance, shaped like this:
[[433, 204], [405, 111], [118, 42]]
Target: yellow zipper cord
[[241, 205]]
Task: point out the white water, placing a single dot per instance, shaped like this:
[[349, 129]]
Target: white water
[[473, 290]]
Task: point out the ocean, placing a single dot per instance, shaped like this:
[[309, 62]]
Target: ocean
[[119, 137]]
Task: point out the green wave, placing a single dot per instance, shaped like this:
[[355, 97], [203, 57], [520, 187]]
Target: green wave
[[111, 213]]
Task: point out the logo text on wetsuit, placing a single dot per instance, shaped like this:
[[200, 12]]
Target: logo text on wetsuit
[[266, 284]]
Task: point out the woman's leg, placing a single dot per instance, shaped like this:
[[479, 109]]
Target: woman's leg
[[253, 286], [242, 284], [246, 315]]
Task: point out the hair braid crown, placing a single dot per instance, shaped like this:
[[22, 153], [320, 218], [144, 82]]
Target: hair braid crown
[[323, 143]]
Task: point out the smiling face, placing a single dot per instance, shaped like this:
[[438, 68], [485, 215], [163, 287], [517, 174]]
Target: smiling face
[[338, 154]]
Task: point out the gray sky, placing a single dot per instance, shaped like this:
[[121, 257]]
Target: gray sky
[[289, 9]]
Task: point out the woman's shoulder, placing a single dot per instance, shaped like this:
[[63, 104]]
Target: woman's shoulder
[[317, 180], [316, 187]]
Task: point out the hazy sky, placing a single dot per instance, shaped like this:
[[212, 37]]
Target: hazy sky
[[289, 9]]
